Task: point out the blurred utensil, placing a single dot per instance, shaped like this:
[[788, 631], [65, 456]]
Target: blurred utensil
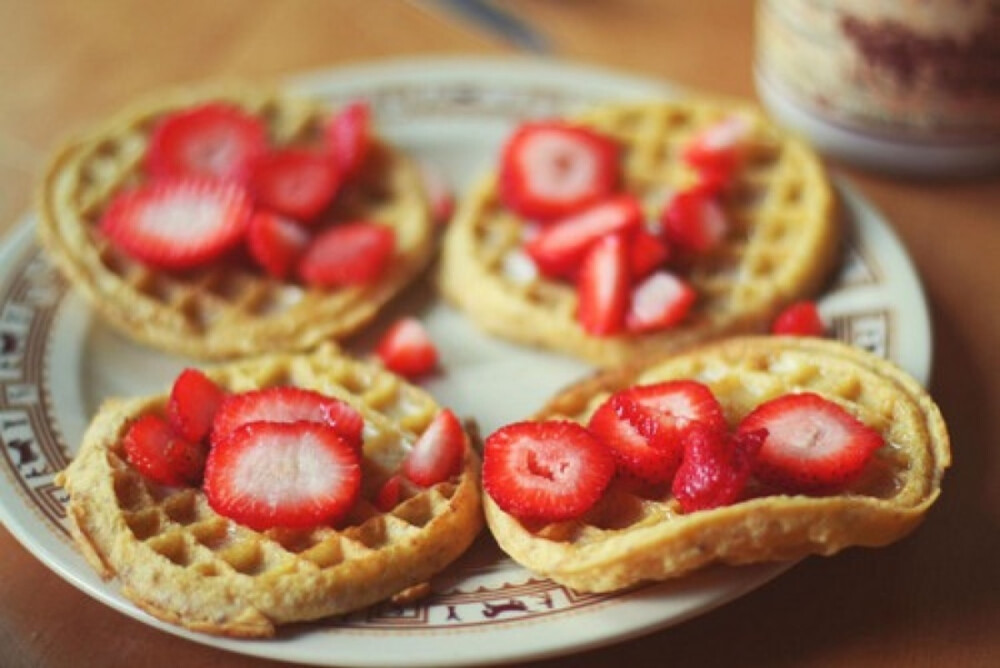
[[494, 19]]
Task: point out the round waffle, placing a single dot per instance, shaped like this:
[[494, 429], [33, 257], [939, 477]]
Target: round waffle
[[182, 562], [628, 538], [782, 242], [228, 309]]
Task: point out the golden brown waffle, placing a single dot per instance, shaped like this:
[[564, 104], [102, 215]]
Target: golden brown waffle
[[179, 560], [628, 538], [783, 242], [229, 309]]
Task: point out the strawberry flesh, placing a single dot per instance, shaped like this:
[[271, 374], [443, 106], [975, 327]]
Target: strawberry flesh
[[298, 183], [407, 349], [647, 253], [161, 454], [717, 151], [641, 446], [438, 453], [348, 137], [660, 301], [276, 242], [801, 318], [603, 287], [194, 400], [694, 221], [355, 253], [715, 468], [388, 494]]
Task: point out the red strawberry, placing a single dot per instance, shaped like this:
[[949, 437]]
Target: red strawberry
[[716, 151], [178, 223], [603, 287], [287, 404], [388, 494], [694, 221], [647, 253], [813, 445], [546, 471], [799, 319], [194, 400], [212, 140], [559, 248], [269, 474], [549, 170], [633, 433], [715, 468], [439, 193], [276, 243], [348, 254], [348, 137], [680, 403], [661, 300], [295, 182], [438, 453], [160, 454], [407, 349]]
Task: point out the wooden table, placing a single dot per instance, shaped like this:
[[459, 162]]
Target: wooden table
[[931, 600]]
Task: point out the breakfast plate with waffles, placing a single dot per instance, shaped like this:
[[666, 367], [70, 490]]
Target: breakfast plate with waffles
[[61, 359]]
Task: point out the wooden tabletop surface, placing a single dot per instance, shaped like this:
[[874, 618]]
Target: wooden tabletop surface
[[932, 599]]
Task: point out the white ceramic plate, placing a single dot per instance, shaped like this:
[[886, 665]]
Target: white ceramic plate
[[57, 362]]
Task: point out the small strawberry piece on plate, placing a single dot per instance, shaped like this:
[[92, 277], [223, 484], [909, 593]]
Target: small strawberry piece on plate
[[212, 140], [559, 248], [603, 287], [354, 253], [348, 137], [813, 445], [161, 454], [716, 152], [194, 400], [546, 471], [694, 221], [285, 404], [550, 169], [276, 242], [642, 448], [407, 349], [660, 301], [295, 475], [438, 453], [178, 223], [296, 182], [801, 318], [716, 467]]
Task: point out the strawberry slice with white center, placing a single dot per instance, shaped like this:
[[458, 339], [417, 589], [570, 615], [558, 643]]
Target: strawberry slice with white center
[[694, 221], [603, 287], [407, 349], [296, 182], [354, 253], [287, 404], [660, 301], [546, 471], [438, 453], [716, 152], [178, 223], [801, 318], [549, 170], [348, 137], [212, 140], [159, 453], [194, 400], [295, 475], [679, 403], [813, 445], [633, 433], [559, 248], [276, 242]]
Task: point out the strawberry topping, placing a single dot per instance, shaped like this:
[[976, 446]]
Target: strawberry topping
[[194, 400], [545, 471], [694, 221], [295, 182], [160, 454], [641, 446], [348, 137], [438, 453], [276, 243], [812, 446], [388, 494], [647, 252], [716, 467], [603, 287], [296, 475], [717, 151], [348, 254], [799, 319], [660, 301], [407, 349]]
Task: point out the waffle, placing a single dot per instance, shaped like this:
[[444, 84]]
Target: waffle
[[783, 240], [183, 563], [628, 538], [229, 309]]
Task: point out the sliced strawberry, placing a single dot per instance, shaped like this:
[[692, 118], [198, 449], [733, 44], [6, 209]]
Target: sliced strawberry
[[603, 287], [212, 140], [160, 454], [388, 494], [559, 248], [407, 349], [178, 223], [438, 453], [297, 475], [716, 467], [348, 137], [647, 252], [799, 319], [276, 242], [716, 152], [813, 445], [694, 221], [549, 170], [295, 182], [660, 301], [440, 194], [353, 253], [680, 403], [194, 400], [285, 404], [546, 471], [641, 447]]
